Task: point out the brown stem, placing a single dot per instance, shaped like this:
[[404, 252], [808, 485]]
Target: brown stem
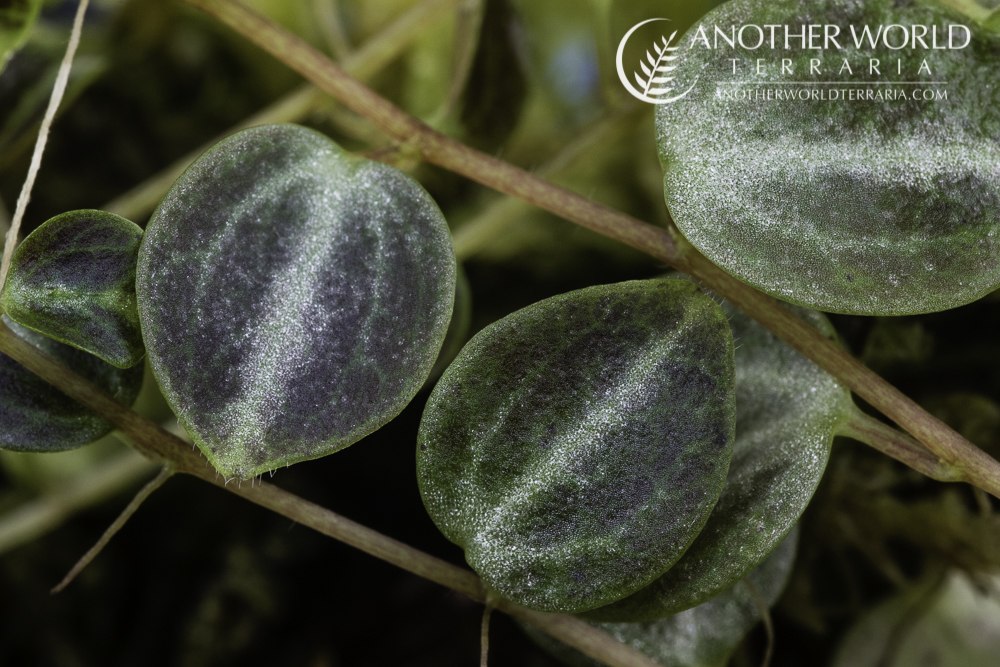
[[118, 524], [899, 446], [765, 617], [62, 80], [94, 485], [484, 634], [157, 443], [664, 244], [373, 56]]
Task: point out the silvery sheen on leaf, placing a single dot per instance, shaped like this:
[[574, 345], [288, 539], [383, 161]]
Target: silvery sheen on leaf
[[787, 411], [704, 636], [73, 279], [871, 207], [293, 297], [575, 448], [37, 417]]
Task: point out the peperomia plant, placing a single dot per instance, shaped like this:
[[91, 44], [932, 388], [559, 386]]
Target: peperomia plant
[[575, 448], [625, 466], [882, 205], [293, 297]]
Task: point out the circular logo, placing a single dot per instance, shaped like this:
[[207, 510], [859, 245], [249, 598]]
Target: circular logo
[[655, 86]]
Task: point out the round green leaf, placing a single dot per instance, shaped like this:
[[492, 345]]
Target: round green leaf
[[704, 636], [37, 417], [575, 448], [787, 409], [859, 206], [293, 297], [73, 279]]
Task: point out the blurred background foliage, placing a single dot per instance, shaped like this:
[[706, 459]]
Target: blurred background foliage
[[888, 559]]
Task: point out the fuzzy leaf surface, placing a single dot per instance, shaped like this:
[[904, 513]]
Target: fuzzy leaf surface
[[73, 279], [293, 297], [576, 447], [787, 409], [704, 636], [16, 19], [37, 417], [864, 206]]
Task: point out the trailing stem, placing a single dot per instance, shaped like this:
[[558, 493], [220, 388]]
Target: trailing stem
[[898, 445], [371, 58], [157, 443], [484, 632], [666, 245], [765, 617], [62, 78], [126, 514]]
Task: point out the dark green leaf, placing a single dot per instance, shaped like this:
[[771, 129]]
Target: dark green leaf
[[496, 88], [860, 206], [37, 417], [575, 448], [293, 297], [704, 636], [73, 279], [16, 19], [787, 409]]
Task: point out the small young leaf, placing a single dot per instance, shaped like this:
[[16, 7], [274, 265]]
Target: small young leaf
[[37, 417], [787, 409], [73, 279], [16, 19], [575, 448], [293, 297], [887, 202], [704, 636]]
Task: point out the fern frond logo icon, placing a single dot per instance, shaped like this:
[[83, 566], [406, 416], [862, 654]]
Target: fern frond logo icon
[[657, 76]]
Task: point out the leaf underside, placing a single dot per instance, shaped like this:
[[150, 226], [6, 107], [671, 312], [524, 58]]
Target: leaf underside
[[37, 417], [575, 448], [73, 279], [293, 297], [870, 207], [787, 409], [705, 636]]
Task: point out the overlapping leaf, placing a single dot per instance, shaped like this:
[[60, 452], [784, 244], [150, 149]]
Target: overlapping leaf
[[293, 297], [887, 202], [575, 448], [73, 279], [37, 417], [787, 409], [704, 636]]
